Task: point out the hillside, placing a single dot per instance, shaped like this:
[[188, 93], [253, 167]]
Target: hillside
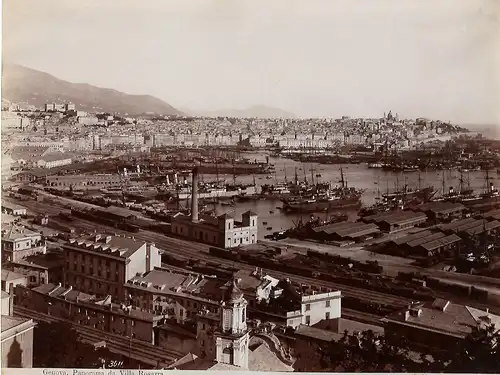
[[252, 112], [21, 84]]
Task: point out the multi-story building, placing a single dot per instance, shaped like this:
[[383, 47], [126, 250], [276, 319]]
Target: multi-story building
[[70, 107], [179, 295], [60, 107], [222, 231], [50, 107], [86, 182], [314, 308], [88, 310], [54, 160], [88, 120], [226, 342], [40, 269], [101, 264], [47, 145], [11, 278], [19, 242]]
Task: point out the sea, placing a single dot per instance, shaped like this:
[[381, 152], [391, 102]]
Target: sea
[[373, 181]]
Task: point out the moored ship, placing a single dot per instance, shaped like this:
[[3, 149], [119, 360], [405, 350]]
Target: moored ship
[[322, 200]]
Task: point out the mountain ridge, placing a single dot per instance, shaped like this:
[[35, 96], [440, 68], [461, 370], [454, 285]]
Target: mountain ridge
[[23, 84]]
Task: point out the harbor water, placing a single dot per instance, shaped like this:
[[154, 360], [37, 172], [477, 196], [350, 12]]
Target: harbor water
[[373, 181]]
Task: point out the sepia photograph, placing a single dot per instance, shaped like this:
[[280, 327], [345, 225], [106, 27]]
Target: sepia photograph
[[250, 185]]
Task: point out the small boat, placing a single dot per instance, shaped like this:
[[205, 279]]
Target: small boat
[[269, 228], [318, 175], [264, 222], [271, 212]]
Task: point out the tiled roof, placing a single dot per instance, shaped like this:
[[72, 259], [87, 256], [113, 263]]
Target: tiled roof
[[317, 333], [14, 232], [455, 320]]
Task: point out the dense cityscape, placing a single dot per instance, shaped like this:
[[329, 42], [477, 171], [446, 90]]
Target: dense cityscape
[[269, 186], [151, 242]]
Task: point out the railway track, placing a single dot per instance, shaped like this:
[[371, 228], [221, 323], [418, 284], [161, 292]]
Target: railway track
[[135, 349], [185, 250]]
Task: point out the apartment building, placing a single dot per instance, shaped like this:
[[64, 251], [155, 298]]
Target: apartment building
[[179, 295], [90, 311], [102, 264], [19, 242], [314, 308]]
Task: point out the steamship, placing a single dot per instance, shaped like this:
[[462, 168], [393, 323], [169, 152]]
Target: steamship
[[342, 197]]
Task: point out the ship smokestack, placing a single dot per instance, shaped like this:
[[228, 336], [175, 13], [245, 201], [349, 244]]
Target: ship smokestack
[[194, 196]]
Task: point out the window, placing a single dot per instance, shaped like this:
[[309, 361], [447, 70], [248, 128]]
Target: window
[[308, 307], [243, 315], [203, 326], [327, 303], [327, 315]]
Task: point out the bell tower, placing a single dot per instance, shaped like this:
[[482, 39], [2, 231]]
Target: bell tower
[[232, 337]]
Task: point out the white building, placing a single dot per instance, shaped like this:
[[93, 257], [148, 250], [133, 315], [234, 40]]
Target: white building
[[56, 159]]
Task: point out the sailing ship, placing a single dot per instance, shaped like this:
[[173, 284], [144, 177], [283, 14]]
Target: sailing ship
[[324, 198]]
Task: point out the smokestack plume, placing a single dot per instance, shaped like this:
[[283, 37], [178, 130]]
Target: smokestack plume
[[194, 196]]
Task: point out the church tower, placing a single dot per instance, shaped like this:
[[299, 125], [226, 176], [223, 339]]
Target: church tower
[[232, 337]]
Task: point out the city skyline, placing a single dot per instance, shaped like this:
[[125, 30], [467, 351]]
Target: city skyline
[[320, 59]]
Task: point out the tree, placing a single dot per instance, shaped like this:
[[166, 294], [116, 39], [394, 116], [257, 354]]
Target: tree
[[57, 345], [478, 353], [370, 352]]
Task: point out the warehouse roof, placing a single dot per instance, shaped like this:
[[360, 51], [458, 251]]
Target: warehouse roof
[[445, 241], [440, 207], [483, 226], [455, 224], [348, 229], [396, 218], [411, 237], [422, 240], [494, 214]]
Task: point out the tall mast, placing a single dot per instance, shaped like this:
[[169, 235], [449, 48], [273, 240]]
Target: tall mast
[[461, 181], [284, 168], [217, 170], [296, 177], [234, 174], [378, 187], [488, 190], [419, 182], [312, 175], [342, 181], [444, 184]]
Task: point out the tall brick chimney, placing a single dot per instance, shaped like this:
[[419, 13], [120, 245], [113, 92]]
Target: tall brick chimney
[[194, 196]]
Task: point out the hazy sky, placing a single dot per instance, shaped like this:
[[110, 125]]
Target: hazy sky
[[434, 58]]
